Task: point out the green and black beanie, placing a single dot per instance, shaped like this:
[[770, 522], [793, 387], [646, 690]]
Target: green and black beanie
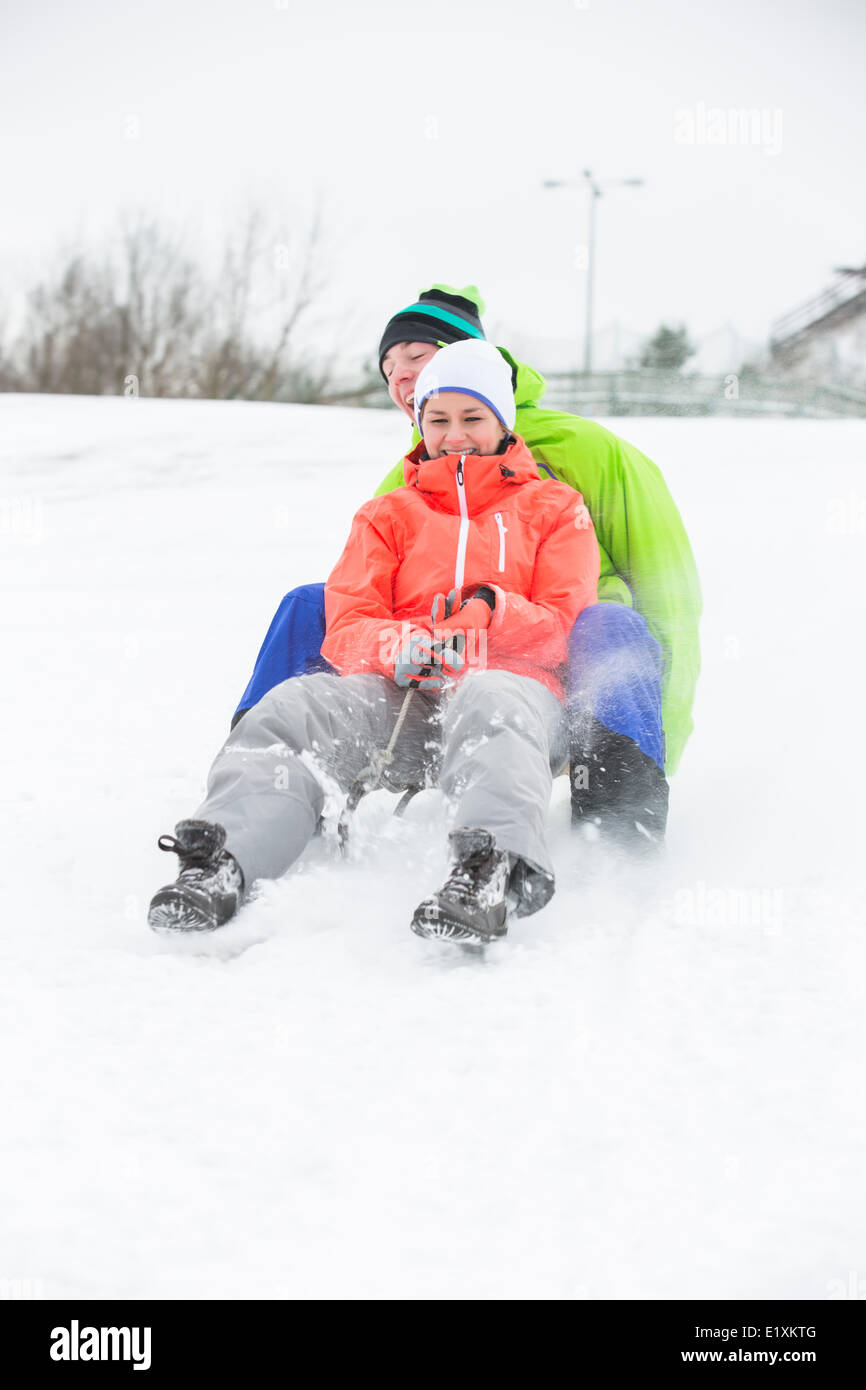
[[441, 315]]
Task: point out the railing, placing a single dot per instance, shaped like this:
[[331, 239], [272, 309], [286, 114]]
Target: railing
[[648, 392], [814, 310]]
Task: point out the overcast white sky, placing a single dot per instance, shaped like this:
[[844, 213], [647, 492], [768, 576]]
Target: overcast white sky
[[427, 130]]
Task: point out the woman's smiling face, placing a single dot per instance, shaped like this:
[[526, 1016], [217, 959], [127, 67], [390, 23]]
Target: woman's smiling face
[[454, 423]]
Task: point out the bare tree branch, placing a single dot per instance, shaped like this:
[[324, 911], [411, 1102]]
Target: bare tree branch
[[148, 308]]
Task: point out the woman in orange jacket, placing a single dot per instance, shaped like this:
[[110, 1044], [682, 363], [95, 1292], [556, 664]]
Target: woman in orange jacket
[[461, 587]]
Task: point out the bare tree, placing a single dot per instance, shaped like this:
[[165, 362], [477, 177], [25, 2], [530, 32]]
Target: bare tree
[[70, 335], [148, 308], [160, 310], [9, 375], [265, 286]]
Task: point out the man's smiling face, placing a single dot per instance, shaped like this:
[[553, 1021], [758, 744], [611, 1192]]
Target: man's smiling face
[[401, 365]]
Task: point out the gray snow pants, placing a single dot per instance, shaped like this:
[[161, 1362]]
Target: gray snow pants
[[489, 743]]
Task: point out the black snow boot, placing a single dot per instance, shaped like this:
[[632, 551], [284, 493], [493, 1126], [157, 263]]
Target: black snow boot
[[617, 789], [472, 905], [210, 886]]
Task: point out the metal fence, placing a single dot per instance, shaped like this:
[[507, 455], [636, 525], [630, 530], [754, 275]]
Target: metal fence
[[654, 392]]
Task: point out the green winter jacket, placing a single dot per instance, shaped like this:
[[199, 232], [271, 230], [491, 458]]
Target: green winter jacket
[[646, 559]]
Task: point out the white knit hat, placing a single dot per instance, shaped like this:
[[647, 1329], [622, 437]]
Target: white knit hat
[[473, 368]]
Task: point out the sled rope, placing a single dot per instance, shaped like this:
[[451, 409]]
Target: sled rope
[[370, 778]]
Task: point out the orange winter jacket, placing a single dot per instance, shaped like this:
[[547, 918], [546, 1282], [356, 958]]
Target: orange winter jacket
[[462, 521]]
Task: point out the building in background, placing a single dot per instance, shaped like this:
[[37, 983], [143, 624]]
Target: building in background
[[824, 339]]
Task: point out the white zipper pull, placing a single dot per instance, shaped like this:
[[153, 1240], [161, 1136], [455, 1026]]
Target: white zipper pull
[[502, 531]]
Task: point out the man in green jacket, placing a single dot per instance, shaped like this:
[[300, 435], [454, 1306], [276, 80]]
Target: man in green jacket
[[634, 654]]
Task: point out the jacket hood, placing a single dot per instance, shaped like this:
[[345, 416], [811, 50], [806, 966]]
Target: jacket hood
[[529, 385], [486, 477]]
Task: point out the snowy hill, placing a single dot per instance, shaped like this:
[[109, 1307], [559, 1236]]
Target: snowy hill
[[650, 1090]]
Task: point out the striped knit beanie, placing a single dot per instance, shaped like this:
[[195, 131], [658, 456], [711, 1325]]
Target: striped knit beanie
[[440, 315]]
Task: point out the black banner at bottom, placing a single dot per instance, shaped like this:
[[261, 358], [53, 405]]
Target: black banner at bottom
[[162, 1339]]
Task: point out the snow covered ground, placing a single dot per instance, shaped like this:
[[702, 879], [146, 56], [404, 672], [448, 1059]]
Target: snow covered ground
[[653, 1089]]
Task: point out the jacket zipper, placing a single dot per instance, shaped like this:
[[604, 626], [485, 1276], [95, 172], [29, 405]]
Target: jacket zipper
[[463, 537], [502, 530]]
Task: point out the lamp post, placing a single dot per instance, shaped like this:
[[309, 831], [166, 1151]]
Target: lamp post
[[595, 192]]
